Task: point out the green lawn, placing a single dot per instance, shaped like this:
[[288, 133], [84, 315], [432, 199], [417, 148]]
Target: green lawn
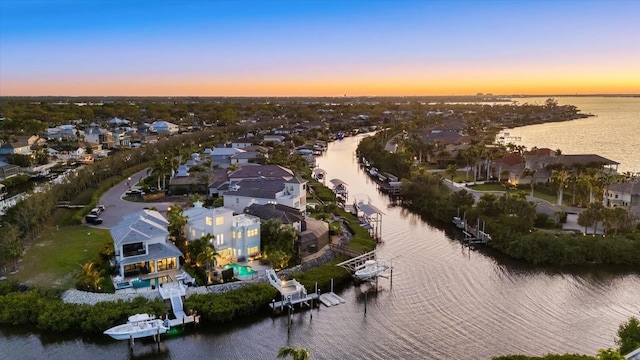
[[550, 198], [538, 194], [488, 187], [58, 255]]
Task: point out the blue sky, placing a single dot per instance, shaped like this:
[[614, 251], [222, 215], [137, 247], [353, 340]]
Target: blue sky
[[318, 47]]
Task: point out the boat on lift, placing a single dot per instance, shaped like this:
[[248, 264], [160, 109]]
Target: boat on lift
[[138, 326], [370, 269]]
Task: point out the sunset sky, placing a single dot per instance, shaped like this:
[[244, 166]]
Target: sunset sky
[[318, 48]]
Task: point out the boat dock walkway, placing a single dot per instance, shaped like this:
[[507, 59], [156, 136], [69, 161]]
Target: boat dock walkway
[[472, 234], [280, 305]]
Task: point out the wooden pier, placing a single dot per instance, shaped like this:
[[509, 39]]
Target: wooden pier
[[472, 234], [279, 306]]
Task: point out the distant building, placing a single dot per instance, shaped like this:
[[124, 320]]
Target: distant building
[[165, 127]]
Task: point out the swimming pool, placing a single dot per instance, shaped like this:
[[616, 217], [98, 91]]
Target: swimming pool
[[143, 283], [240, 270]]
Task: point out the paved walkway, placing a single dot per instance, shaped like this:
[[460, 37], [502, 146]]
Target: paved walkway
[[117, 207]]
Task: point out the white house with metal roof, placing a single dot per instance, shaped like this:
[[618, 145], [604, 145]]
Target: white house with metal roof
[[141, 245], [234, 236], [164, 127]]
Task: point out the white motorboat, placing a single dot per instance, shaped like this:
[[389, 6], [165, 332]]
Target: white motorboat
[[138, 326], [369, 269]]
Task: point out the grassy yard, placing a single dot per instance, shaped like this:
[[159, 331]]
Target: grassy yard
[[536, 193], [487, 187], [58, 255]]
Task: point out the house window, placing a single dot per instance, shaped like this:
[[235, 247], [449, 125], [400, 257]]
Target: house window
[[220, 220], [166, 264], [616, 196], [253, 250], [133, 249], [193, 233], [239, 234], [208, 221], [220, 239], [251, 233], [233, 234]]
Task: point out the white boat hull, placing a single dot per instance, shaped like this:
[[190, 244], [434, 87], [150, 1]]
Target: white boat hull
[[137, 330], [369, 269]]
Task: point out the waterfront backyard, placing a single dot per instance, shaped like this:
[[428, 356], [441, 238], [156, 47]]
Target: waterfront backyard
[[58, 254]]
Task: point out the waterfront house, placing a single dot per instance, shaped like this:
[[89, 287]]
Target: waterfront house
[[312, 234], [234, 236], [508, 167], [546, 158], [141, 244], [260, 171], [625, 194], [8, 170], [243, 193]]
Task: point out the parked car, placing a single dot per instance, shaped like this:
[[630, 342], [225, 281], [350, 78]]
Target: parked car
[[95, 211], [93, 219], [102, 207]]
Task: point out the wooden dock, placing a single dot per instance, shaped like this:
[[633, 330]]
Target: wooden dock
[[280, 305]]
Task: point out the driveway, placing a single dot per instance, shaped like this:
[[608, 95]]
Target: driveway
[[117, 207]]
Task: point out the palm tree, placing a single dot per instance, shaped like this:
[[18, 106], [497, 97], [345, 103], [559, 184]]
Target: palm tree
[[593, 179], [530, 173], [294, 353], [160, 168], [452, 171], [208, 254], [89, 277], [491, 155], [177, 222], [560, 178], [205, 178]]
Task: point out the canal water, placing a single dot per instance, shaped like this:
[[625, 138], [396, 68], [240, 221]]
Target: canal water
[[445, 302]]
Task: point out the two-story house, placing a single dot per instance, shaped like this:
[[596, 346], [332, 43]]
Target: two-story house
[[234, 236], [141, 245], [222, 156], [260, 171], [625, 194], [241, 143], [96, 135], [20, 145], [312, 234], [243, 193]]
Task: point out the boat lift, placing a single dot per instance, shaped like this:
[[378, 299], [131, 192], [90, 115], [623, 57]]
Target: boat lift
[[370, 216]]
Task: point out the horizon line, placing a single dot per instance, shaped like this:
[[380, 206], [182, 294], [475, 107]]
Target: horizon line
[[319, 96]]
